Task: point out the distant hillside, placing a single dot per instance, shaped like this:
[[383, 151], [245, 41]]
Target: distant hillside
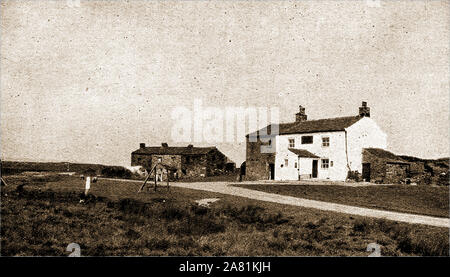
[[8, 167], [441, 162]]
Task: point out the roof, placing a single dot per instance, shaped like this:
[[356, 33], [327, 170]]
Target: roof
[[303, 153], [313, 126], [386, 155], [170, 150]]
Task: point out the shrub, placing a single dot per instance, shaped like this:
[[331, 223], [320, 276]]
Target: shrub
[[354, 176], [174, 213], [251, 214], [128, 205], [157, 244], [116, 172], [197, 225], [361, 225]]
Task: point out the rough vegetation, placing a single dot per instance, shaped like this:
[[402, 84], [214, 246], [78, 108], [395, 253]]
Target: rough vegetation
[[39, 218]]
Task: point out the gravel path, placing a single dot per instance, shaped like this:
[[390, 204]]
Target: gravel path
[[226, 188]]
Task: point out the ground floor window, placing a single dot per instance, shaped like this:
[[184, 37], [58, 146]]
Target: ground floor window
[[325, 163]]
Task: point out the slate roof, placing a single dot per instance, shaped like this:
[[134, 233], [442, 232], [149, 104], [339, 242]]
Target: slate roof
[[303, 153], [173, 150], [386, 155], [313, 126]]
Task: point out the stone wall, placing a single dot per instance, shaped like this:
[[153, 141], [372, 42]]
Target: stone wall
[[257, 163], [142, 160], [216, 163], [396, 173], [383, 171], [146, 161], [193, 165], [201, 165]]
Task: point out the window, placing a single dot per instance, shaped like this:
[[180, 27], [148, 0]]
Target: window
[[159, 159], [331, 163], [325, 141], [296, 165], [270, 142], [307, 139], [325, 163], [291, 143], [286, 162]]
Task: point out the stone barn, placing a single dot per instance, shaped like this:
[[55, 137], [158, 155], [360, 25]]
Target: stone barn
[[189, 161], [382, 166]]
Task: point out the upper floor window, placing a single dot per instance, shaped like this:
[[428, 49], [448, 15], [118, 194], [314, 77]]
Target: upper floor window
[[286, 162], [307, 139], [325, 141], [325, 163], [291, 143]]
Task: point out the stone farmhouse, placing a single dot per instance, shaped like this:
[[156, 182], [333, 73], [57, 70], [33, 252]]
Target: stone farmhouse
[[323, 149], [186, 161]]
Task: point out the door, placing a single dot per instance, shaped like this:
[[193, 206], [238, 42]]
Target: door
[[314, 168], [366, 171], [272, 171]]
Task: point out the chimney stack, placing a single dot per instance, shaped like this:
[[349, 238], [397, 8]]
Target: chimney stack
[[301, 116], [141, 145], [190, 146], [364, 110], [164, 144]]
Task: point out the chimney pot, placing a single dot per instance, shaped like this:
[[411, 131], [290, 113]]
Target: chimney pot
[[190, 146], [164, 144], [141, 145], [364, 111], [301, 115]]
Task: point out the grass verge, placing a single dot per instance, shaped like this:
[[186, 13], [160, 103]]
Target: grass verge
[[424, 200]]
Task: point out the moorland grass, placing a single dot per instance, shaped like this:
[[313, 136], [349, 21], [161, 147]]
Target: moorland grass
[[41, 219], [425, 200]]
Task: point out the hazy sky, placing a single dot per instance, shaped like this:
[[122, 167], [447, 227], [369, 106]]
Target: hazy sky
[[88, 83]]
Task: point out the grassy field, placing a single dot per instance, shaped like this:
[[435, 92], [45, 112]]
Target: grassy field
[[425, 200], [44, 216]]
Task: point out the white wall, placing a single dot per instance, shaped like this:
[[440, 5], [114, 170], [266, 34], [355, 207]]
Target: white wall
[[363, 134], [283, 172], [305, 166], [335, 152]]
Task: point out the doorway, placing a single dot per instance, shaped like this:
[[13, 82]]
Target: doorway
[[272, 171], [366, 172], [314, 168]]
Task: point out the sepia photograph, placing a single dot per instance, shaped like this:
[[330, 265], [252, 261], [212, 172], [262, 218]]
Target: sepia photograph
[[304, 128]]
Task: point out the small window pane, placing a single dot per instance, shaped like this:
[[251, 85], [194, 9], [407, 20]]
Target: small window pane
[[325, 141], [325, 163], [286, 162], [291, 143]]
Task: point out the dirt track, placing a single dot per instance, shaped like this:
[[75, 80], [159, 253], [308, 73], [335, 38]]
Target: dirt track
[[226, 188]]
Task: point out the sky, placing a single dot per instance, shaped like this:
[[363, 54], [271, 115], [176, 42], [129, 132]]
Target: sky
[[89, 82]]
